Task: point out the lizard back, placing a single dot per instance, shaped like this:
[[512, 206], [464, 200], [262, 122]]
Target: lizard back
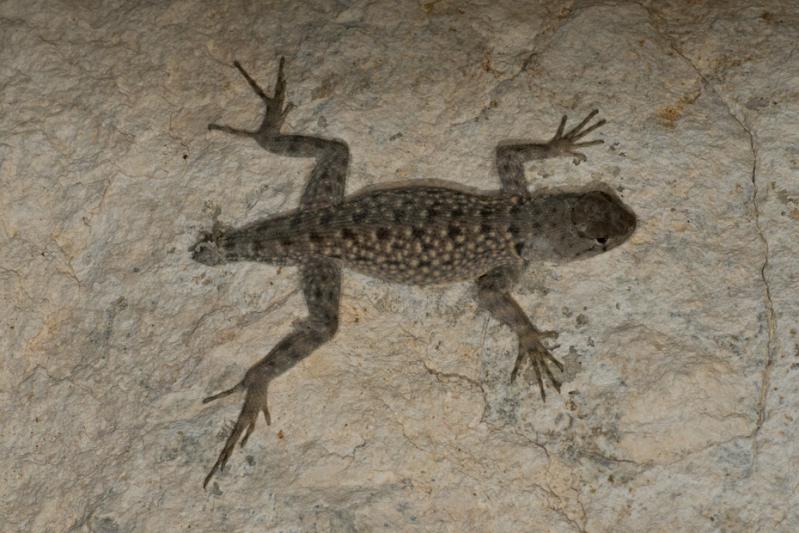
[[416, 235]]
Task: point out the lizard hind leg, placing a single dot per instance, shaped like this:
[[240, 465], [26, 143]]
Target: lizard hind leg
[[255, 402], [276, 111], [326, 183], [321, 285]]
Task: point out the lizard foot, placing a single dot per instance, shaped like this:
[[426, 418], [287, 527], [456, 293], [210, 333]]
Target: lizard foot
[[565, 143], [530, 347], [254, 403], [276, 111]]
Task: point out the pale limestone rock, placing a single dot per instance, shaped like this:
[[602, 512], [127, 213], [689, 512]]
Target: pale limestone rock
[[681, 347]]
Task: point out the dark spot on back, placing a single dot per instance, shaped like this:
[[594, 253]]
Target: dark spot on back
[[514, 210], [383, 233], [435, 209], [426, 246], [325, 219], [487, 212], [398, 215], [359, 216], [285, 241], [513, 230], [347, 233], [454, 231], [456, 213], [315, 237], [417, 232], [519, 246], [424, 264], [485, 229]]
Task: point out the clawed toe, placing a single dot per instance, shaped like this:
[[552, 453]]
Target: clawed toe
[[578, 132], [565, 143], [546, 334], [554, 360], [276, 111], [254, 403], [539, 356], [239, 386]]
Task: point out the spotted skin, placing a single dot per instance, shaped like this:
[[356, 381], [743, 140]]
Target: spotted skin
[[418, 234]]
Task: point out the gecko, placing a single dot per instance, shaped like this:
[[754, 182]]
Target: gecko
[[412, 234]]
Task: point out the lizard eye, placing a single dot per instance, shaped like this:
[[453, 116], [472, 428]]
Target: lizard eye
[[602, 240]]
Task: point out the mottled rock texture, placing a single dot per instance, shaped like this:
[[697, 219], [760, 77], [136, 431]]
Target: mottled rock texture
[[679, 411]]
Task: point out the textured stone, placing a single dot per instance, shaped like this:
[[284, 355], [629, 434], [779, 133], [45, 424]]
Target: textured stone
[[681, 347]]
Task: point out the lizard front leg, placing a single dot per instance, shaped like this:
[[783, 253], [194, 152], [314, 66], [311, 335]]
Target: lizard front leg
[[321, 285], [493, 295], [510, 157]]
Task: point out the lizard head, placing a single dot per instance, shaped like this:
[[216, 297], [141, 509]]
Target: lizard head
[[601, 219], [588, 223]]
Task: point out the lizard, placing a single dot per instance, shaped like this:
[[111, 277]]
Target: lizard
[[412, 234]]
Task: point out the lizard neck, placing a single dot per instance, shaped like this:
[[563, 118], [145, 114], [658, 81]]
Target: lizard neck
[[542, 221]]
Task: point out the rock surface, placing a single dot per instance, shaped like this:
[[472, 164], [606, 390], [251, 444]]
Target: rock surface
[[681, 347]]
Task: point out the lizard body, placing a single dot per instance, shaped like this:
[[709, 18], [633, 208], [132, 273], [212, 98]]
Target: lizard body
[[417, 234]]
